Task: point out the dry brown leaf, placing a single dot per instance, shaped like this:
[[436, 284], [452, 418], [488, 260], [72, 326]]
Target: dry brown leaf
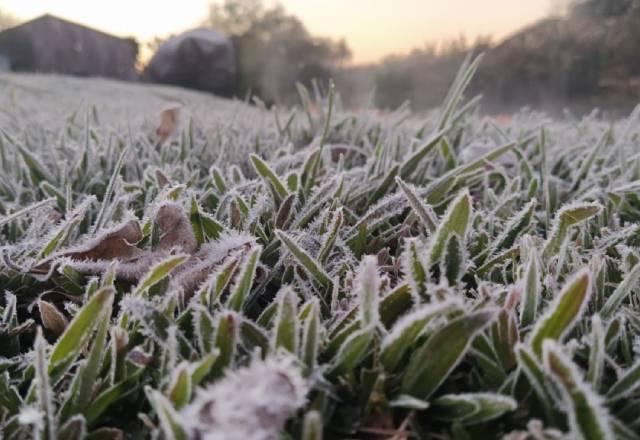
[[162, 178], [52, 319], [168, 123], [175, 229], [116, 244]]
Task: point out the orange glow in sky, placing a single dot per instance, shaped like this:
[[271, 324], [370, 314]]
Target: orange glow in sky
[[372, 28]]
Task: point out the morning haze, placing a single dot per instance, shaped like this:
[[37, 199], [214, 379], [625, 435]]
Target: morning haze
[[372, 28]]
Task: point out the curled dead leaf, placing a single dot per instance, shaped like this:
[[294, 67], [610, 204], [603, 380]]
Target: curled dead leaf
[[119, 245], [168, 123], [52, 319], [176, 231], [115, 244]]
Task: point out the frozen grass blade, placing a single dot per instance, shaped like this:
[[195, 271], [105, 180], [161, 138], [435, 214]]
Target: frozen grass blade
[[596, 353], [89, 371], [44, 392], [621, 292], [628, 383], [311, 336], [415, 267], [422, 210], [246, 274], [312, 426], [106, 200], [532, 290], [455, 221], [78, 332], [352, 350], [286, 322], [169, 418], [432, 363], [180, 387], [460, 84], [331, 236], [563, 313], [588, 417], [11, 217], [410, 164], [471, 409], [367, 288], [406, 331], [567, 217], [270, 177], [306, 261], [516, 226], [159, 272]]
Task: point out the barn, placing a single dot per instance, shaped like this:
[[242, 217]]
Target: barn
[[49, 44]]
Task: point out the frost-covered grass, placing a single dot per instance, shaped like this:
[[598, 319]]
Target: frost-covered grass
[[315, 273]]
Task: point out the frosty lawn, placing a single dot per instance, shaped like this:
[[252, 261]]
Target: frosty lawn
[[313, 272]]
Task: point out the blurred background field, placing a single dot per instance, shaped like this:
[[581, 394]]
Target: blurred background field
[[547, 55]]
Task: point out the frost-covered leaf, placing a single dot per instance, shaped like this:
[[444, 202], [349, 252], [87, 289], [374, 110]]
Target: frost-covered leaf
[[567, 217], [470, 409], [516, 226], [531, 290], [79, 331], [43, 389], [226, 340], [596, 353], [588, 417], [158, 272], [431, 364], [562, 314], [454, 261], [312, 426], [88, 373], [455, 221], [407, 330], [286, 321], [367, 288], [170, 422], [270, 176], [422, 210], [244, 282], [307, 261], [621, 292], [180, 386], [352, 351], [311, 336], [627, 383], [330, 236]]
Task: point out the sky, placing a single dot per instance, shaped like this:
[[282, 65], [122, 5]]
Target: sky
[[373, 28]]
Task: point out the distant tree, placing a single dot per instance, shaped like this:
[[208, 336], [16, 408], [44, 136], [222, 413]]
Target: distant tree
[[604, 8], [274, 49], [236, 17], [423, 76]]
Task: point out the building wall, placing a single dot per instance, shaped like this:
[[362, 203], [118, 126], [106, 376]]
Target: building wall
[[52, 45]]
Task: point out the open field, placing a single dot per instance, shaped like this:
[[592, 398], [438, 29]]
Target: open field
[[312, 273]]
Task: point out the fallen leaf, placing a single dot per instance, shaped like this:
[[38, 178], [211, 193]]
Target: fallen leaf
[[168, 123]]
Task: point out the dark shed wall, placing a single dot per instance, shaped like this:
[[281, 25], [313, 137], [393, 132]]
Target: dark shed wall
[[16, 45], [52, 45]]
